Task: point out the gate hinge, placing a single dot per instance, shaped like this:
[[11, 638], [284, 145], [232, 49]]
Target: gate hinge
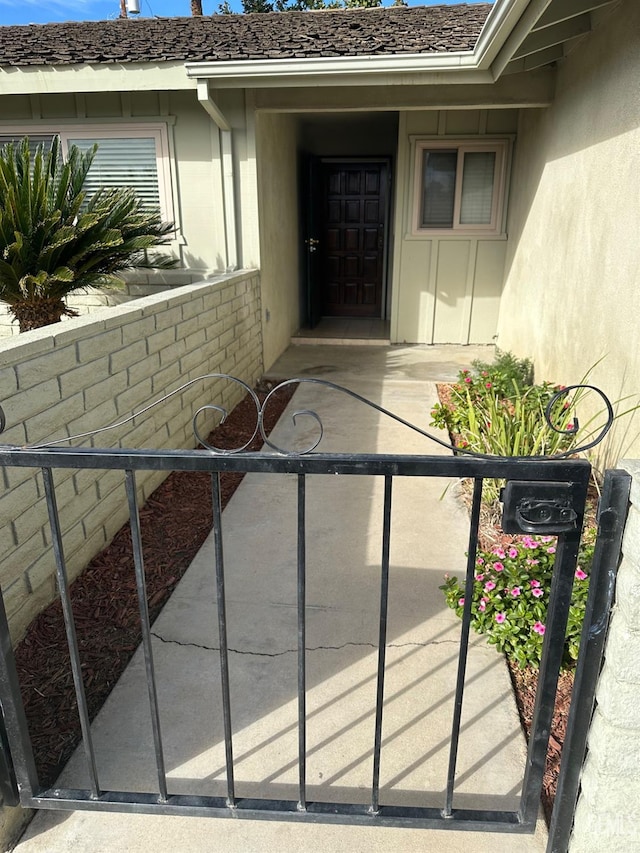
[[539, 507]]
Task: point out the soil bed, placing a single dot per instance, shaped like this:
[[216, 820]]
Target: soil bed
[[175, 521]]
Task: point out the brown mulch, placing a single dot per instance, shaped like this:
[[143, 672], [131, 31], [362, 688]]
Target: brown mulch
[[175, 521], [525, 681]]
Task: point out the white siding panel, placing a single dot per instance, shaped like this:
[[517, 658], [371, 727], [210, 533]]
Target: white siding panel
[[451, 288], [487, 290]]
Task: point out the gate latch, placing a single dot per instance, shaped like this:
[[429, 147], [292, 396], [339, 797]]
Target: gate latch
[[538, 507]]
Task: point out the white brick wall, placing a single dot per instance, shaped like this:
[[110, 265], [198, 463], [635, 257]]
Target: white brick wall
[[607, 816], [91, 371]]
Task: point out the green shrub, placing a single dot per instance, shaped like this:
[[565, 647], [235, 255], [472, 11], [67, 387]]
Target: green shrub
[[511, 595]]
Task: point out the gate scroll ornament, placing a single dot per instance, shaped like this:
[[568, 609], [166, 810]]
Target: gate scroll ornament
[[261, 407]]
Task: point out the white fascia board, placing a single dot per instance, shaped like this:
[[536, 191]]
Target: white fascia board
[[253, 72], [74, 79], [497, 29]]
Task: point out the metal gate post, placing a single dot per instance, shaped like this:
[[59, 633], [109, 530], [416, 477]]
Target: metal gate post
[[14, 733], [612, 514]]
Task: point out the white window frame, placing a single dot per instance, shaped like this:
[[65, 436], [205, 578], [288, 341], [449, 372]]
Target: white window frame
[[499, 146], [156, 130]]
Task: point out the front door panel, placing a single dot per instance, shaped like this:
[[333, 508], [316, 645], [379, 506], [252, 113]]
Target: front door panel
[[352, 238]]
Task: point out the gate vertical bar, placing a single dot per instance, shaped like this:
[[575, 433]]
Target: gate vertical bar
[[552, 653], [141, 585], [222, 633], [464, 644], [21, 765], [302, 643], [69, 624], [611, 518], [382, 641]]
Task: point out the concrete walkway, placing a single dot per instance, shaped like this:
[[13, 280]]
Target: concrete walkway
[[429, 537]]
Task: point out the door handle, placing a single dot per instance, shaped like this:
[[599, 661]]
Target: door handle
[[312, 244]]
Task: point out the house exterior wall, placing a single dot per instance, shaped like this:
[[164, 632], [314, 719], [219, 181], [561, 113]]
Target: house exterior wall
[[607, 818], [444, 289], [196, 173], [277, 147], [571, 292], [92, 371]]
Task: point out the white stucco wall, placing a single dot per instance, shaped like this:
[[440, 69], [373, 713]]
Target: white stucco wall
[[572, 280], [607, 818], [277, 150]]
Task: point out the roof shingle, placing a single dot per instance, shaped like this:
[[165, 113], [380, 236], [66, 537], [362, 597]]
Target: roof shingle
[[284, 35]]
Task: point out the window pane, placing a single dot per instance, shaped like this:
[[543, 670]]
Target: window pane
[[34, 142], [477, 187], [123, 162], [438, 188]]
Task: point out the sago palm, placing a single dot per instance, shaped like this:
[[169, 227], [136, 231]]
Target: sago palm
[[54, 241]]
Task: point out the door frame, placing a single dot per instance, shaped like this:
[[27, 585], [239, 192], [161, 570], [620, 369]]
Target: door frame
[[311, 196]]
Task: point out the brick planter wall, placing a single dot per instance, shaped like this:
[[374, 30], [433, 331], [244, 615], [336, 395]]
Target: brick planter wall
[[92, 371]]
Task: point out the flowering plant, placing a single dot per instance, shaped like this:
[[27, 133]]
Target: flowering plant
[[511, 594]]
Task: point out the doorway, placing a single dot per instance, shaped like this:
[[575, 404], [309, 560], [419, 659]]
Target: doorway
[[346, 245]]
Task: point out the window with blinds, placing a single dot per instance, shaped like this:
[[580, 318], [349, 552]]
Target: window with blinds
[[34, 141], [460, 186], [133, 156], [123, 162]]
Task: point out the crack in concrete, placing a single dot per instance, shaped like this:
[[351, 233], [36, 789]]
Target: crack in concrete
[[294, 651]]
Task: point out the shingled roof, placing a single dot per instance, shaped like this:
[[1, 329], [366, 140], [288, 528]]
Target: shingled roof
[[284, 35]]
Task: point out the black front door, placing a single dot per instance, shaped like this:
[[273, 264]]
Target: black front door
[[346, 251]]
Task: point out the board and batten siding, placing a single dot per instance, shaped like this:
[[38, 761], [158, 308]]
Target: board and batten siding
[[446, 289]]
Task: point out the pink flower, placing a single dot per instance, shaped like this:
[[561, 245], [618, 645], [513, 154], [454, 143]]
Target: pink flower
[[480, 561], [515, 592], [499, 552], [482, 607], [467, 379], [512, 552], [528, 542], [539, 628], [498, 567], [461, 602], [487, 385], [484, 373], [537, 592], [479, 577], [534, 583], [580, 574], [484, 600], [551, 550], [532, 562], [500, 617], [546, 539], [489, 586]]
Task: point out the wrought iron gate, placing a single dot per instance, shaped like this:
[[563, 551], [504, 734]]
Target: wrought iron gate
[[541, 496]]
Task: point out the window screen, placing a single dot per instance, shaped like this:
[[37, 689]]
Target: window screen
[[123, 162], [34, 142], [439, 188], [477, 187]]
